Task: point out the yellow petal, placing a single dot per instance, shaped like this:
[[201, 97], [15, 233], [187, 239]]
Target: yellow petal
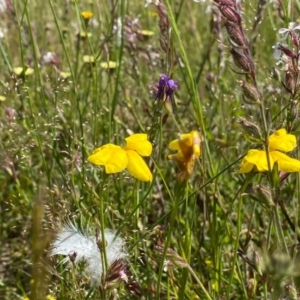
[[113, 157], [186, 139], [196, 143], [246, 167], [29, 71], [184, 142], [285, 163], [280, 140], [139, 142], [174, 145], [137, 166], [18, 70], [108, 65], [179, 157], [257, 158], [88, 59]]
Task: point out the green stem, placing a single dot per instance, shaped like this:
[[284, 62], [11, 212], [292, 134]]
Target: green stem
[[190, 81], [174, 215], [238, 230], [199, 282], [102, 246], [279, 230]]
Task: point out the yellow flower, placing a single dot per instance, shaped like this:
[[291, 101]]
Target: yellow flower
[[257, 159], [23, 72], [89, 59], [108, 64], [116, 158], [188, 148], [84, 34], [87, 15], [50, 297]]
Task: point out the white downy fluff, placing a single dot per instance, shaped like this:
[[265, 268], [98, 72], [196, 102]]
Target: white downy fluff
[[70, 241]]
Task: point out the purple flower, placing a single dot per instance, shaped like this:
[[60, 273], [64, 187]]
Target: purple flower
[[166, 87]]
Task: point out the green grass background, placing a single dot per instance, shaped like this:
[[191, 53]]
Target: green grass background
[[51, 123]]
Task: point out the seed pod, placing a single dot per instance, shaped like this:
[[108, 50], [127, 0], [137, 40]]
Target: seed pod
[[251, 130], [250, 92]]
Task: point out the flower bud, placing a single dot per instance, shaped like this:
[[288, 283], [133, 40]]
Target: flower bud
[[287, 51], [235, 34], [283, 176], [241, 60], [251, 130], [230, 14], [264, 195], [250, 91]]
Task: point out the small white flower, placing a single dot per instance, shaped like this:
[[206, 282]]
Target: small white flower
[[82, 247], [285, 31], [48, 57]]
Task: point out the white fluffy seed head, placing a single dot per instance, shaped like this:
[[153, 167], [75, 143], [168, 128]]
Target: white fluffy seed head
[[82, 247]]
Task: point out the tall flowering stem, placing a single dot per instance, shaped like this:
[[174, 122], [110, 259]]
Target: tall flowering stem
[[190, 82]]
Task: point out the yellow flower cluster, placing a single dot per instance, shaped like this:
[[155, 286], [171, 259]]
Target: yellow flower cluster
[[116, 158]]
